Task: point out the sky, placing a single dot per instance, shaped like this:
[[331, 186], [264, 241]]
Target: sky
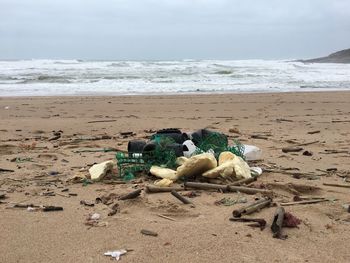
[[172, 29]]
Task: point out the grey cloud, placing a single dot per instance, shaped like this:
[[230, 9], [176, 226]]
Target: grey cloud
[[172, 29]]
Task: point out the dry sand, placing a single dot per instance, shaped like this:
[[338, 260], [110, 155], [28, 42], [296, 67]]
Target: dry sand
[[200, 234]]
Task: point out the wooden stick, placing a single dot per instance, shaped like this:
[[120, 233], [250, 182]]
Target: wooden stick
[[337, 121], [206, 186], [306, 143], [337, 185], [149, 233], [226, 188], [333, 152], [292, 149], [166, 217], [244, 181], [249, 209], [304, 202], [131, 195], [277, 222], [247, 190], [52, 208], [102, 121], [157, 189], [305, 197], [6, 170], [259, 136], [314, 132], [261, 222], [181, 198]]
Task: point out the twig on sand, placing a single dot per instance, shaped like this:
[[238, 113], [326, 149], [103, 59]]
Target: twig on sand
[[305, 202], [101, 121], [337, 185], [166, 217], [249, 209]]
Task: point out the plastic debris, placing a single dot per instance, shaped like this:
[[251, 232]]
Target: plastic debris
[[197, 164], [116, 253], [98, 171], [189, 148], [164, 173], [256, 171], [252, 153], [225, 156], [32, 209], [95, 216], [235, 167], [168, 148], [163, 183]]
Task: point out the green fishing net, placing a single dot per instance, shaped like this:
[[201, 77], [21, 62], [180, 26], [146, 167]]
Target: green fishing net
[[161, 154], [218, 143]]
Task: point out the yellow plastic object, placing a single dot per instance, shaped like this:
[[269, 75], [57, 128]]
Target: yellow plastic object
[[163, 183], [164, 173], [197, 165], [226, 156], [236, 168], [98, 171]]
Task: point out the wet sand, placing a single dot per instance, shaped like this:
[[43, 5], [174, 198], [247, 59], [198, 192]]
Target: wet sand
[[200, 234]]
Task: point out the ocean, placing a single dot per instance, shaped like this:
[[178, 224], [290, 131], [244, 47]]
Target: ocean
[[77, 77]]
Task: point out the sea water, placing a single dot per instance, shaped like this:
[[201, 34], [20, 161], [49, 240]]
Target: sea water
[[76, 77]]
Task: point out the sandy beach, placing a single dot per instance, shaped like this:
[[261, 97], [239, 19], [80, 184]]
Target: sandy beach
[[319, 122]]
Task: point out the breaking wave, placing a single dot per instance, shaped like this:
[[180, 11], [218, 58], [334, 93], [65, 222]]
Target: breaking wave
[[74, 77]]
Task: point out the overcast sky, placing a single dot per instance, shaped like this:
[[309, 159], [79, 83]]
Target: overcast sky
[[173, 29]]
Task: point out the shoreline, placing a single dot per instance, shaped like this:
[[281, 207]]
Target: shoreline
[[112, 95]]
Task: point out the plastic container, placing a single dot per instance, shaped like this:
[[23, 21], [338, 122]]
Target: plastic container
[[252, 153], [136, 146], [188, 148]]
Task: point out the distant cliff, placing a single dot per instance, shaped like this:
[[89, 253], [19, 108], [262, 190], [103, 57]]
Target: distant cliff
[[342, 56]]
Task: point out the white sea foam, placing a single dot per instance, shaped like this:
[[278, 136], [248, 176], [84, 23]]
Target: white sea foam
[[75, 77]]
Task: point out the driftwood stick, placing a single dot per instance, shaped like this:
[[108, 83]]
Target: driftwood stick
[[131, 195], [181, 198], [337, 121], [206, 186], [225, 188], [292, 149], [249, 209], [307, 143], [337, 185], [157, 189], [6, 170], [101, 121], [247, 190], [304, 202], [306, 197], [24, 205], [52, 208], [260, 222], [149, 233], [244, 181], [166, 217], [277, 222], [313, 132]]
